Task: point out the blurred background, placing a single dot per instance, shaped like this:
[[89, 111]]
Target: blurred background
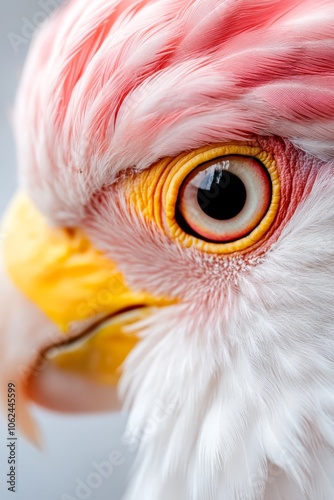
[[70, 465]]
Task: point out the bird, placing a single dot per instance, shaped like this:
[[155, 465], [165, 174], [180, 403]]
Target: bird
[[170, 246]]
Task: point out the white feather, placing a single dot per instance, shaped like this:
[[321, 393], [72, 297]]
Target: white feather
[[241, 372]]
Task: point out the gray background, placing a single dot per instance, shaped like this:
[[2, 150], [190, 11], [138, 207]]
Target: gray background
[[71, 443]]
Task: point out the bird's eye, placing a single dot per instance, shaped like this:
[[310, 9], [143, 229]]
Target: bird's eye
[[220, 199], [223, 200]]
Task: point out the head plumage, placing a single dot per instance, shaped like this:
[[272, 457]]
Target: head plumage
[[113, 84]]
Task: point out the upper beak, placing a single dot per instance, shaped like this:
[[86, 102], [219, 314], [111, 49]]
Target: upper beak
[[81, 292]]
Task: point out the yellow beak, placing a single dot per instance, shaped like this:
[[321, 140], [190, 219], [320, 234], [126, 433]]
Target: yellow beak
[[75, 285]]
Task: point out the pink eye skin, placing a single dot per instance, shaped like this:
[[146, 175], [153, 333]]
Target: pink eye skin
[[225, 199]]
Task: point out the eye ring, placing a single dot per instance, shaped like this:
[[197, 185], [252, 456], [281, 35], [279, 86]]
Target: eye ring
[[182, 166]]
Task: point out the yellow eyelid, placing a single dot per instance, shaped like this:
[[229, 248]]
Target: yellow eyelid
[[165, 178]]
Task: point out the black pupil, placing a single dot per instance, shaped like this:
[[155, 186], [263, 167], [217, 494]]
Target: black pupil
[[222, 195]]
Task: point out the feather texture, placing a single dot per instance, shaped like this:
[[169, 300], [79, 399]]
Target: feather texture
[[111, 85], [231, 390]]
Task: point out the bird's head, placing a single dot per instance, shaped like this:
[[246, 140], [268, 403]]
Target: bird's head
[[177, 210]]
